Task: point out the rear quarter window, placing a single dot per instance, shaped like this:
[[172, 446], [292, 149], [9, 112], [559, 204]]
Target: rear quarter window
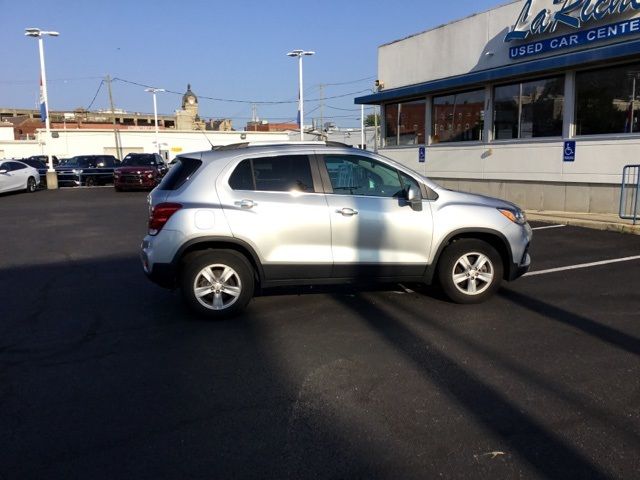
[[180, 173]]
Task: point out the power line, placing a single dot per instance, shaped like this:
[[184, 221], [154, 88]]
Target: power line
[[96, 95], [216, 99], [350, 82], [344, 109], [53, 80]]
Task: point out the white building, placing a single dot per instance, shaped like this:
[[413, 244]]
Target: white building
[[532, 101], [68, 143]]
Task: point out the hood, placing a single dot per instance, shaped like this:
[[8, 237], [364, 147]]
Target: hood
[[452, 196]]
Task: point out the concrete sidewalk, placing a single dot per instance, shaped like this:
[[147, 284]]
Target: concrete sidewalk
[[598, 221]]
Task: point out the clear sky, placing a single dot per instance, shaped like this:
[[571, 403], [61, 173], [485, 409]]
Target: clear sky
[[234, 50]]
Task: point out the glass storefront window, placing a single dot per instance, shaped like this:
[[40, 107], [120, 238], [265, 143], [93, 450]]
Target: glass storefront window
[[608, 101], [412, 123], [405, 123], [458, 117], [529, 109], [391, 124]]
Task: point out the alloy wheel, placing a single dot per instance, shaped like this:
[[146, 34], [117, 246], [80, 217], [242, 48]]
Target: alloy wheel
[[217, 287]]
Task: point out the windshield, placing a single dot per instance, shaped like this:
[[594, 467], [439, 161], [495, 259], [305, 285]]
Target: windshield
[[81, 162], [138, 160]]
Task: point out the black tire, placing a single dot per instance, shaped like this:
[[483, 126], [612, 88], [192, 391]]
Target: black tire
[[90, 182], [118, 189], [227, 296], [31, 185], [470, 271]]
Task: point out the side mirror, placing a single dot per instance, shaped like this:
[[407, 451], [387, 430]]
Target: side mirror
[[414, 197]]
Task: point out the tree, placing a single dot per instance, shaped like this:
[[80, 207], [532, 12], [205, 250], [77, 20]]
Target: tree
[[371, 120]]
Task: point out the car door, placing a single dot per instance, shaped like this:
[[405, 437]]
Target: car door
[[23, 172], [276, 205], [18, 175], [5, 177], [375, 231]]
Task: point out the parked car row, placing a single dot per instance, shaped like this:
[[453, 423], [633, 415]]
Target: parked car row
[[16, 175], [135, 171]]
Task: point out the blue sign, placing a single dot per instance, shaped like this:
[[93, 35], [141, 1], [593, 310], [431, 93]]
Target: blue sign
[[569, 151], [569, 13], [593, 35], [422, 154]]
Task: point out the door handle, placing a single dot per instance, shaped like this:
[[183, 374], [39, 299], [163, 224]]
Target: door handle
[[347, 212], [246, 203]]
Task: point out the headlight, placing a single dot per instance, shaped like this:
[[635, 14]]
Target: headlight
[[514, 214], [77, 170]]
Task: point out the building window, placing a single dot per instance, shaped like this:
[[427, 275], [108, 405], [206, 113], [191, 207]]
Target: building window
[[458, 117], [405, 123], [391, 124], [608, 101], [529, 109]]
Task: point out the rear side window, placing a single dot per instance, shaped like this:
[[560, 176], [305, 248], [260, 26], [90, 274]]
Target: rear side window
[[273, 174], [17, 166], [180, 173]]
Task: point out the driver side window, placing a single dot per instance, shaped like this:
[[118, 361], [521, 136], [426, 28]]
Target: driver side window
[[355, 175]]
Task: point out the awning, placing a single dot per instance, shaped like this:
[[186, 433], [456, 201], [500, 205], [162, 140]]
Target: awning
[[566, 61]]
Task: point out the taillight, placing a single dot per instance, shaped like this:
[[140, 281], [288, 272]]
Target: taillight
[[160, 214]]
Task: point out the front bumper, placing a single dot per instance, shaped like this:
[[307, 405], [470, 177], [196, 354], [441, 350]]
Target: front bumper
[[134, 181]]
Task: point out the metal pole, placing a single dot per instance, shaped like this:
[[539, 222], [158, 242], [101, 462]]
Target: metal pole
[[633, 103], [155, 117], [362, 126], [113, 120], [301, 98], [375, 126], [47, 121]]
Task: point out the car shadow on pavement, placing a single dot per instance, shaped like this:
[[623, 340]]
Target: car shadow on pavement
[[105, 375], [606, 334], [548, 453]]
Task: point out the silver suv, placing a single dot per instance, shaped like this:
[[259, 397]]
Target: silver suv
[[226, 222]]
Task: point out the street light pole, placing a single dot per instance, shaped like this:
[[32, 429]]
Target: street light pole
[[155, 112], [300, 54], [52, 179]]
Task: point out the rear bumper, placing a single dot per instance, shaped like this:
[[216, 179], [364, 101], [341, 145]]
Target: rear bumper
[[162, 274]]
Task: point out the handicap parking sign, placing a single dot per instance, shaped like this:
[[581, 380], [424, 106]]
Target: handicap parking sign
[[569, 151], [422, 154]]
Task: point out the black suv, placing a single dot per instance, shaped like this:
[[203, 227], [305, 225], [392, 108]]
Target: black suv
[[87, 170]]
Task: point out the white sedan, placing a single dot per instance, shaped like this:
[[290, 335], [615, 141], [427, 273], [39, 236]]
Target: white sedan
[[15, 175]]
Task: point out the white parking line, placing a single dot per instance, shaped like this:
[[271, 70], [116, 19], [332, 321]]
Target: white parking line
[[582, 265], [547, 228]]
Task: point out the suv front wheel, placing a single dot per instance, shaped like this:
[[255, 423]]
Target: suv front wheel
[[470, 271], [216, 283]]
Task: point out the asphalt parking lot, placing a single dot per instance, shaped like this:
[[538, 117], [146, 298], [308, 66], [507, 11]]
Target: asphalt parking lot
[[105, 375]]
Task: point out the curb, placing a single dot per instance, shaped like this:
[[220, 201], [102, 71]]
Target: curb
[[605, 225]]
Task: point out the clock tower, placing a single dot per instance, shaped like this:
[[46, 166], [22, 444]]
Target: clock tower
[[190, 101], [187, 117]]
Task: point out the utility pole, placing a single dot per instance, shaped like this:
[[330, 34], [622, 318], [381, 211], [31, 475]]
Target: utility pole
[[375, 129], [254, 116], [113, 120], [322, 85]]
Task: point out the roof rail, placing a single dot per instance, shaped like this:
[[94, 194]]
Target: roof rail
[[236, 146]]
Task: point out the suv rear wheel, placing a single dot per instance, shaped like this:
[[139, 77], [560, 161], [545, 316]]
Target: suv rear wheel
[[217, 283], [470, 271]]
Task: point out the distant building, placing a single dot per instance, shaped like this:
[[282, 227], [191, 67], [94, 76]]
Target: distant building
[[26, 121], [264, 126]]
